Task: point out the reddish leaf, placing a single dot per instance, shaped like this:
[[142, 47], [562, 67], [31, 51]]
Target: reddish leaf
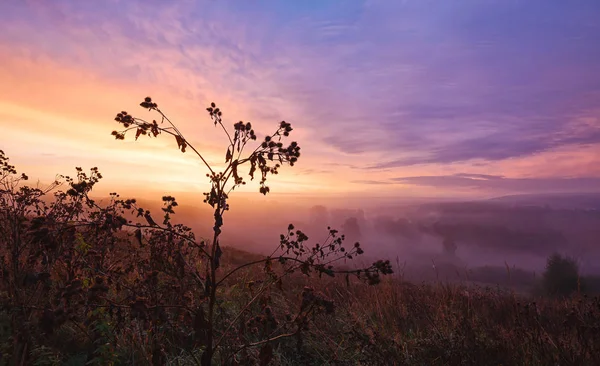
[[252, 166], [181, 144]]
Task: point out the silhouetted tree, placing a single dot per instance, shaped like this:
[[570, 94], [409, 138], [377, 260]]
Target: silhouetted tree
[[561, 277], [351, 229], [401, 227]]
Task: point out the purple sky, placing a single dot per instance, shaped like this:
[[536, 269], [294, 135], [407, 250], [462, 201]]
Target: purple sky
[[411, 97]]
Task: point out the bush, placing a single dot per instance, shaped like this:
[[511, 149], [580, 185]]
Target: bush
[[561, 277]]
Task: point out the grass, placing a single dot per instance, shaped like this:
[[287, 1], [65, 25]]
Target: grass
[[400, 323], [394, 323]]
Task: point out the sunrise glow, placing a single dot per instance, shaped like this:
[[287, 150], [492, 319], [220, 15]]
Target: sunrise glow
[[386, 97]]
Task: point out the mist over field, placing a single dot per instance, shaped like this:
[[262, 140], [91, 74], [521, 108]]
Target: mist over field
[[502, 240]]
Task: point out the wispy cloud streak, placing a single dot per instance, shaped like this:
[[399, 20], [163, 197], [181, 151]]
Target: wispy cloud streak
[[392, 88]]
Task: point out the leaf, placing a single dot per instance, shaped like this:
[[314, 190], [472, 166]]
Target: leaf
[[82, 246], [252, 167], [181, 144], [234, 166], [138, 133], [268, 266], [229, 155], [261, 160], [149, 219]]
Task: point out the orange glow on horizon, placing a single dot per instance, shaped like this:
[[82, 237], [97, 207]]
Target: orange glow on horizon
[[57, 110]]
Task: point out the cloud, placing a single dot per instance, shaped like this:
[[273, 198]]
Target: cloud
[[384, 85], [502, 184], [454, 83], [371, 182], [478, 176], [499, 147]]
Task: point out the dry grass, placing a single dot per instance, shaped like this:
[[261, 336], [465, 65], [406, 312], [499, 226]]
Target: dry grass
[[397, 323], [393, 323], [402, 323]]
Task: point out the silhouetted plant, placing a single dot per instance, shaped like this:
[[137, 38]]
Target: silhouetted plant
[[113, 272], [266, 158], [351, 229], [561, 277]]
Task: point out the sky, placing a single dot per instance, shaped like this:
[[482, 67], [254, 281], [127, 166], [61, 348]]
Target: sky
[[394, 98]]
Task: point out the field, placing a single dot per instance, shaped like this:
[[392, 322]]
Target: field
[[112, 283], [392, 323], [398, 322]]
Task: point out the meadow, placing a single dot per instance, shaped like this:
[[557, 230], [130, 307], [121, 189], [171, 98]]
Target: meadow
[[112, 283]]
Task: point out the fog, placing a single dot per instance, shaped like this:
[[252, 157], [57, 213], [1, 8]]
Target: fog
[[493, 240]]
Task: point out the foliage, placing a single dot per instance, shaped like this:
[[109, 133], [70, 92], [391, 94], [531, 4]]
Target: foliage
[[109, 283], [561, 277]]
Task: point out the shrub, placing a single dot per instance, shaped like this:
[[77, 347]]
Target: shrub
[[561, 277]]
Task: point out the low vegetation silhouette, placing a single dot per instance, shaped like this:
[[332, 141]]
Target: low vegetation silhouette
[[562, 277], [87, 281], [121, 277]]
